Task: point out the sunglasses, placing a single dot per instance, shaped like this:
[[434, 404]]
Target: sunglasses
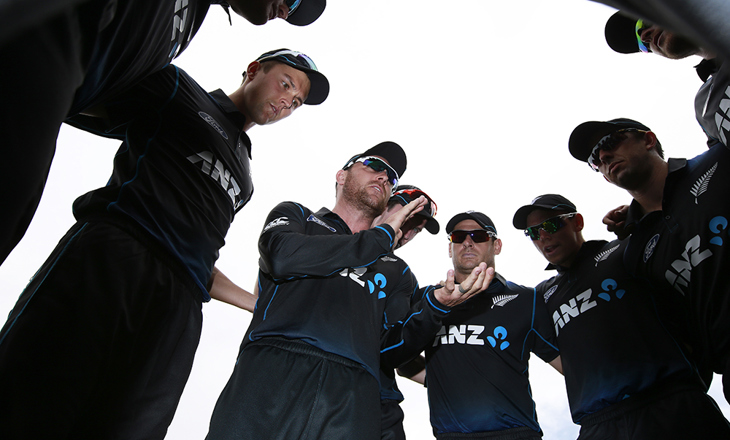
[[640, 26], [378, 165], [477, 236], [431, 208], [607, 143], [283, 55], [551, 226], [292, 5]]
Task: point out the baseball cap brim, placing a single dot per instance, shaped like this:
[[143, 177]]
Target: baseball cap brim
[[585, 136], [620, 33], [391, 152], [553, 202], [307, 12], [482, 220]]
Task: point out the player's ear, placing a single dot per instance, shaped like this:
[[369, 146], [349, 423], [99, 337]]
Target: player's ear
[[253, 69], [579, 223], [340, 177], [497, 246]]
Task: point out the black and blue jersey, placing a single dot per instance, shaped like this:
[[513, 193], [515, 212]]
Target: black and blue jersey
[[711, 103], [182, 171], [477, 364], [324, 285], [613, 343], [683, 248], [140, 38]]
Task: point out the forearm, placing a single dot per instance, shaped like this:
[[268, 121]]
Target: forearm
[[225, 290]]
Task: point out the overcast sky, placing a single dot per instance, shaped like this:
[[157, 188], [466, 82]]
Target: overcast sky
[[482, 95]]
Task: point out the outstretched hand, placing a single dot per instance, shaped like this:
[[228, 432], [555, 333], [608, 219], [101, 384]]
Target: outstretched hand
[[452, 294], [615, 221], [399, 218]]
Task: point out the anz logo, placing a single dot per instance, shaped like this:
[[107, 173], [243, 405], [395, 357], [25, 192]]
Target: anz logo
[[680, 271], [470, 335], [378, 282], [217, 171], [584, 302], [179, 20]]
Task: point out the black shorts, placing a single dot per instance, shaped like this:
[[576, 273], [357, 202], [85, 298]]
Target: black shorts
[[283, 390], [521, 433], [670, 411], [391, 422], [101, 342]]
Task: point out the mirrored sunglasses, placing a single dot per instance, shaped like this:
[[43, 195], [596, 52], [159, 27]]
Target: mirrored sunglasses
[[378, 165], [607, 143], [431, 208], [551, 226], [477, 236], [640, 26]]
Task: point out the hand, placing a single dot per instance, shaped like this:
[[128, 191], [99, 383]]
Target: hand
[[452, 294], [615, 221], [399, 218]]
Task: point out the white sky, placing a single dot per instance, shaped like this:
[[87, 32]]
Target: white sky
[[482, 95]]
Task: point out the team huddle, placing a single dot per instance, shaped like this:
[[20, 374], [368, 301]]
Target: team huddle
[[101, 342]]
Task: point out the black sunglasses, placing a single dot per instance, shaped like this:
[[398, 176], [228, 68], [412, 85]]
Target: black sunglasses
[[477, 236], [551, 226]]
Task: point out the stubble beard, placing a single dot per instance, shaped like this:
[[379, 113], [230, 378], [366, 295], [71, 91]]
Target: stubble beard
[[363, 201]]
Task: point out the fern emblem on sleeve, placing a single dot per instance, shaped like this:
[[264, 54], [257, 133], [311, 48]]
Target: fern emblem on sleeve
[[702, 183]]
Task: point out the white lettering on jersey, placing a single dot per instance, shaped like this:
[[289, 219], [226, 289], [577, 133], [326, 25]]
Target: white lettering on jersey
[[218, 172], [721, 117], [180, 18], [572, 309], [281, 221], [681, 269], [458, 335]]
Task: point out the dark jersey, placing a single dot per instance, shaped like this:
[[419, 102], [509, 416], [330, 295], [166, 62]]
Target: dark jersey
[[683, 249], [182, 171], [324, 285], [612, 342], [141, 37], [477, 365], [712, 103]]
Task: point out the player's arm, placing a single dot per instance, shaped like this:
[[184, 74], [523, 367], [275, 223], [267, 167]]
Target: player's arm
[[225, 290], [415, 370], [557, 363], [141, 102], [288, 252], [615, 221], [406, 339]]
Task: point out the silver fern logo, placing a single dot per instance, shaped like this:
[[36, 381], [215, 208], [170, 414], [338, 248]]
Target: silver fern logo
[[604, 255], [501, 300], [702, 183]]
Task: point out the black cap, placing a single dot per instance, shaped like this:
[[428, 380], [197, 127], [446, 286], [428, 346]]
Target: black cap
[[546, 201], [482, 219], [621, 33], [585, 136], [307, 12], [319, 86], [404, 194], [390, 151]]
